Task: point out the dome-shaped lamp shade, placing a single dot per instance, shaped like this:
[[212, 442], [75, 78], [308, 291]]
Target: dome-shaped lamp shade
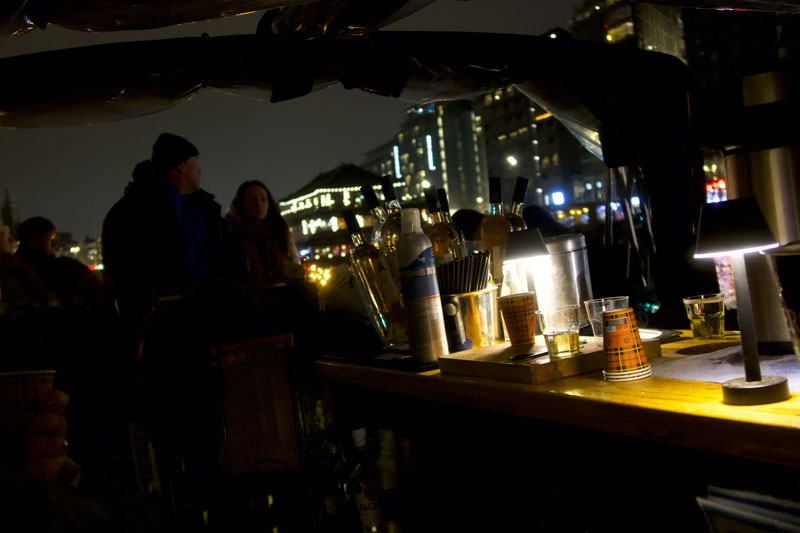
[[525, 244], [732, 226]]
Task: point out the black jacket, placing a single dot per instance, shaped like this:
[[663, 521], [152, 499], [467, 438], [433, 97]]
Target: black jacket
[[145, 252]]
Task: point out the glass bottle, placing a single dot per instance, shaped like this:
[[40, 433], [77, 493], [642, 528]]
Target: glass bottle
[[517, 204], [364, 484], [380, 294], [378, 213], [444, 237], [390, 231], [495, 228], [444, 205]]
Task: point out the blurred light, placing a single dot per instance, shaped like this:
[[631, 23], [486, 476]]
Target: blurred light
[[588, 186], [597, 8], [543, 116], [396, 151], [713, 168], [558, 198], [426, 184], [635, 200], [75, 249], [479, 199], [429, 143], [512, 160], [585, 210], [609, 38], [497, 97], [599, 184], [553, 35], [706, 169], [539, 190]]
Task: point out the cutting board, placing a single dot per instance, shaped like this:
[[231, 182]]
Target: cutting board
[[506, 362]]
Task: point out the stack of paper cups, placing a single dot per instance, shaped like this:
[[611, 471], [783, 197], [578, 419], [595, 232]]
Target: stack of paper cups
[[626, 360]]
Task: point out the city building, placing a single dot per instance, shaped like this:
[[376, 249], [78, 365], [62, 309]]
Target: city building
[[630, 23], [439, 145], [314, 212], [525, 140]]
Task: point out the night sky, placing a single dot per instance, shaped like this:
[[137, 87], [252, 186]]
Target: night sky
[[73, 174]]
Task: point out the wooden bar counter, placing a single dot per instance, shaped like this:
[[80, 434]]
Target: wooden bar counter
[[671, 411], [573, 454]]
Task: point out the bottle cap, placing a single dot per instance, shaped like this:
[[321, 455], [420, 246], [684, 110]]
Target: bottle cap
[[520, 190], [351, 221], [370, 197], [495, 191], [432, 199], [409, 221], [387, 185], [443, 203]]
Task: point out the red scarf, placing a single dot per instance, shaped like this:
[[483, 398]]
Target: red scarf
[[262, 244]]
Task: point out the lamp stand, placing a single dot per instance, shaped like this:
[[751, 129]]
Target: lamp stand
[[753, 389]]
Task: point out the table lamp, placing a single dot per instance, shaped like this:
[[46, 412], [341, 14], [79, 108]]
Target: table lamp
[[735, 228], [522, 250]]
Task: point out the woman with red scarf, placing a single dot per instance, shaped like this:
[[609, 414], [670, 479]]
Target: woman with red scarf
[[255, 215]]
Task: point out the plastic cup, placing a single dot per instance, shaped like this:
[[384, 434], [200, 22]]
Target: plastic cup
[[706, 313], [518, 317], [595, 308], [560, 327]]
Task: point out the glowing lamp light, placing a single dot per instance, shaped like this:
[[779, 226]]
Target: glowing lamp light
[[558, 198], [734, 228], [523, 251], [512, 160]]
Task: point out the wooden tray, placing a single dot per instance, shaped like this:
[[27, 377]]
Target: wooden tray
[[497, 361]]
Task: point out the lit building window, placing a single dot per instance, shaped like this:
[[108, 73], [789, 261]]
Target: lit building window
[[512, 160]]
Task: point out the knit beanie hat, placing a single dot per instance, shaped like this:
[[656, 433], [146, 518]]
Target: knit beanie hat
[[169, 151]]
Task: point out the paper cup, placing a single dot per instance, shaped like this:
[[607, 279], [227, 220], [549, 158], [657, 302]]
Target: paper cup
[[621, 341], [22, 393], [519, 317]]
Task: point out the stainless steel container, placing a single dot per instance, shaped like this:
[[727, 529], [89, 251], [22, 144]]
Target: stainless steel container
[[471, 319], [563, 278]]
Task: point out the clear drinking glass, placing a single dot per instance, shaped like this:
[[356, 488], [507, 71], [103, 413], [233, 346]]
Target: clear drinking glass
[[706, 314], [560, 327]]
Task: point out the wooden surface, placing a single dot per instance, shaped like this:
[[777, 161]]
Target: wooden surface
[[502, 361], [670, 411]]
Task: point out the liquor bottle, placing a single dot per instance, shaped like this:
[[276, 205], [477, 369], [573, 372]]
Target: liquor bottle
[[337, 512], [424, 319], [390, 232], [393, 509], [517, 203], [378, 290], [444, 237], [495, 228], [364, 484], [378, 213], [444, 205]]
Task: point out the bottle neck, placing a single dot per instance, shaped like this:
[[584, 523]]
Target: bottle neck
[[379, 214], [496, 209], [437, 217], [393, 206], [358, 238], [446, 217], [516, 208]]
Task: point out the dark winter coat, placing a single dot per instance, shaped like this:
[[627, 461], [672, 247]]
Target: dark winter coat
[[155, 239]]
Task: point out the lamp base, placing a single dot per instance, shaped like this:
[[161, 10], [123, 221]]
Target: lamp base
[[770, 389]]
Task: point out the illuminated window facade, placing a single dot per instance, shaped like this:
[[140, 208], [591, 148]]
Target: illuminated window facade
[[441, 145]]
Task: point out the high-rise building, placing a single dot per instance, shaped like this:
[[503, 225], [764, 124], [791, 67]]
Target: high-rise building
[[630, 23], [438, 145]]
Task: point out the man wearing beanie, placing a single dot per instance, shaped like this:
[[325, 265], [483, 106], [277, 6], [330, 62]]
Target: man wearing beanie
[[164, 232]]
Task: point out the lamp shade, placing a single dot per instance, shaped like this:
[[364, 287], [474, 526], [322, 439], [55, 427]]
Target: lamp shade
[[524, 245], [732, 226]]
